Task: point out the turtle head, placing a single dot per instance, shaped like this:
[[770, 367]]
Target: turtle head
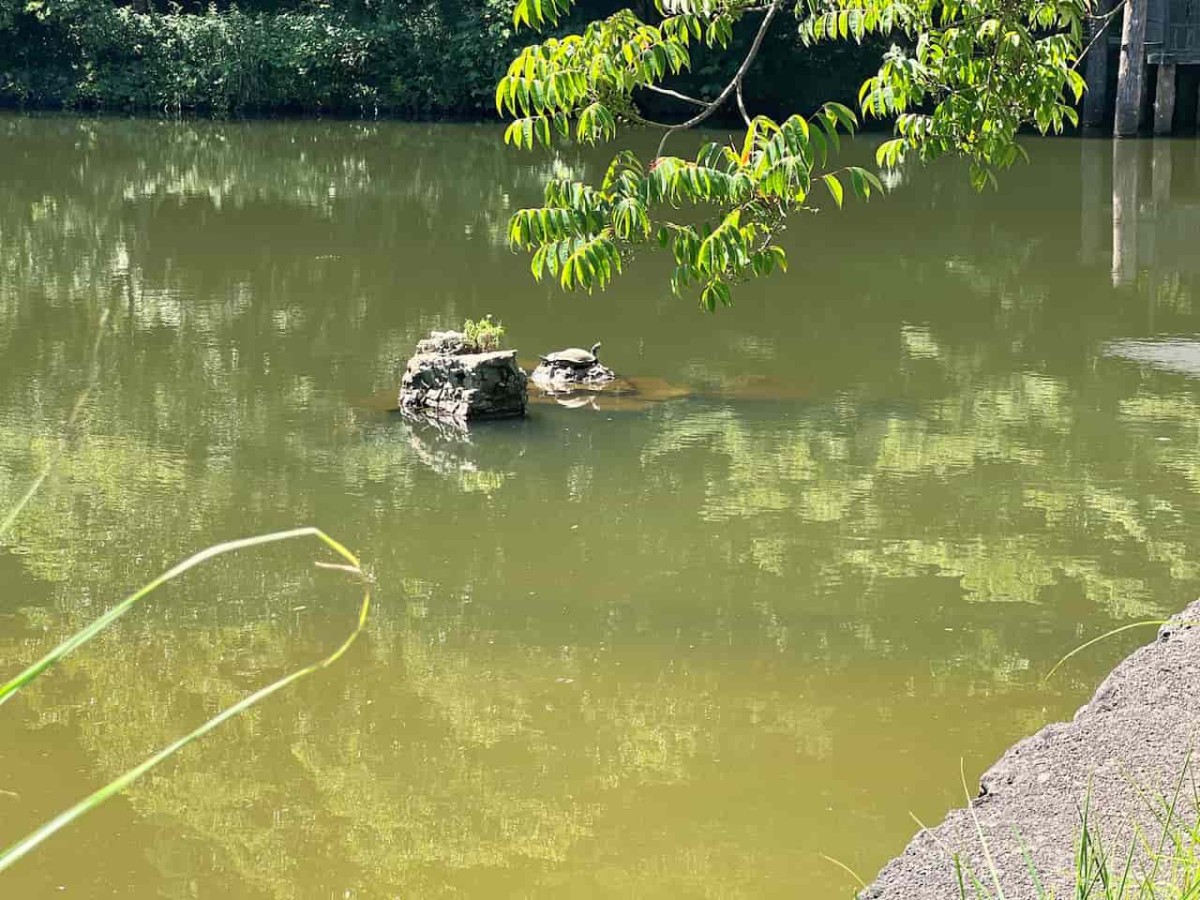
[[595, 347]]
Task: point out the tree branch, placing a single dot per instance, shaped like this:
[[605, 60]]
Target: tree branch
[[733, 85], [667, 92], [742, 105], [1104, 20]]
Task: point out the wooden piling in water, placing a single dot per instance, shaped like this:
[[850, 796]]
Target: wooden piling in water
[[1095, 67], [1164, 100], [1131, 74]]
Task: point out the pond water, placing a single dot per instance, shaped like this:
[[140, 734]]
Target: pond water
[[680, 648]]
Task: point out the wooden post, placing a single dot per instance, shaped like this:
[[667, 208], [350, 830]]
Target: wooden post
[[1095, 67], [1126, 165], [1131, 74], [1164, 102]]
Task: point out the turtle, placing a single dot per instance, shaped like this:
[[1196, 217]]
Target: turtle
[[575, 357]]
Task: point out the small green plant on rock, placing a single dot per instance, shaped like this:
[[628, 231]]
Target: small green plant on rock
[[482, 335]]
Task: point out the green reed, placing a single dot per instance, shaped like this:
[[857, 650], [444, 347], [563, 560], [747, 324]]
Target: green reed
[[1165, 866], [81, 637], [10, 688]]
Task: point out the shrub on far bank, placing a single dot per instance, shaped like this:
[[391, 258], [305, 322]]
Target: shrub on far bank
[[90, 54], [404, 58]]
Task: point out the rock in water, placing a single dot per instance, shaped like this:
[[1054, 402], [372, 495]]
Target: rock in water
[[443, 383], [555, 377], [443, 342], [566, 370]]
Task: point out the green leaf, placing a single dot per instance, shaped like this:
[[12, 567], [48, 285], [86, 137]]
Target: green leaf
[[835, 188], [859, 184], [890, 153], [842, 114]]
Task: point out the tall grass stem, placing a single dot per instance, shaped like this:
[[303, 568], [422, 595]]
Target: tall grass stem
[[18, 850]]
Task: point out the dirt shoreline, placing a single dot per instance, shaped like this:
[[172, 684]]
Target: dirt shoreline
[[1128, 743]]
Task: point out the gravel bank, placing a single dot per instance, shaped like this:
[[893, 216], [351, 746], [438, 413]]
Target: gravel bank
[[1134, 734]]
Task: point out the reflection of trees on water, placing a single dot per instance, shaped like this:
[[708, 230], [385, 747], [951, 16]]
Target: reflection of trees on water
[[454, 747], [298, 214], [474, 761], [997, 486], [581, 622]]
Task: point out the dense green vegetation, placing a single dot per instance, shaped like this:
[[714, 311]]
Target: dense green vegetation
[[413, 58], [416, 58]]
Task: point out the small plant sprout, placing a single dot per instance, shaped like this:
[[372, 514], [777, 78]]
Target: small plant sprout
[[483, 335]]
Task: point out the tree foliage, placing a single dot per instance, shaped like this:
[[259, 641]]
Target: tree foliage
[[411, 58], [408, 57], [959, 76]]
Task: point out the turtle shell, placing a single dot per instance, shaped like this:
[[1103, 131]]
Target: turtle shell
[[572, 356]]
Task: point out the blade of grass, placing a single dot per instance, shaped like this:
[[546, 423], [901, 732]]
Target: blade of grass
[[958, 878], [14, 853], [1168, 822], [961, 872], [65, 818], [983, 844], [1103, 637], [845, 868], [1030, 867], [1127, 867], [85, 634], [932, 834], [1085, 878]]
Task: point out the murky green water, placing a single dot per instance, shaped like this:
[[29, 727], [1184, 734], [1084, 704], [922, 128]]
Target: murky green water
[[677, 650]]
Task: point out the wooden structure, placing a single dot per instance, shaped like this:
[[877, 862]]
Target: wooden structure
[[1152, 42], [1154, 217]]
